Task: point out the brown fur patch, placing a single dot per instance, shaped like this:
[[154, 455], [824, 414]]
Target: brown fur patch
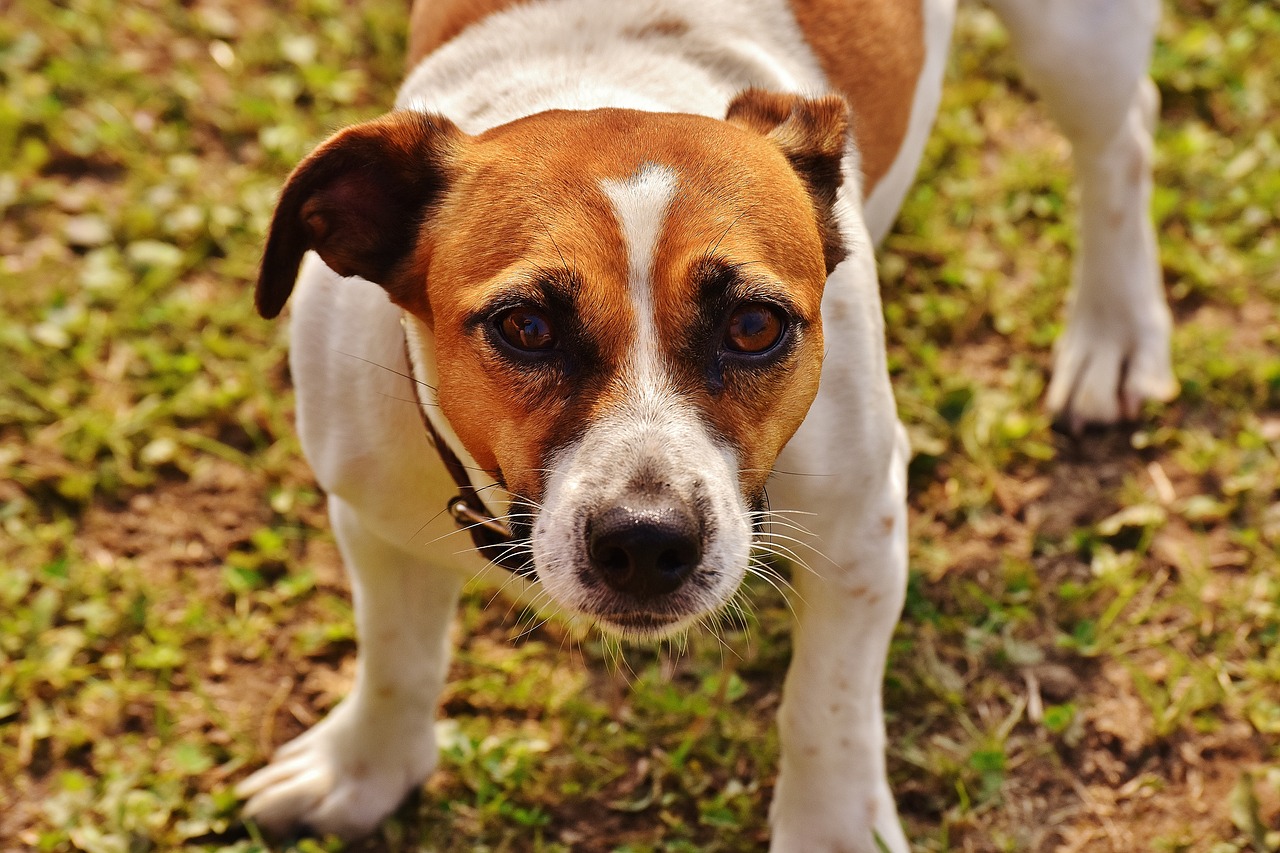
[[872, 52]]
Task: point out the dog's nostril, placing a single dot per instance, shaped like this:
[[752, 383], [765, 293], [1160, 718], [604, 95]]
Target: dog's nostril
[[614, 561], [672, 560], [645, 550]]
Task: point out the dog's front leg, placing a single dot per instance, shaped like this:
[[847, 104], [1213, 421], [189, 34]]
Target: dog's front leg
[[832, 792], [352, 769], [846, 471]]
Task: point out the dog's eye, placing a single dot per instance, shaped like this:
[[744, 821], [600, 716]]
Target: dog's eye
[[527, 329], [754, 328]]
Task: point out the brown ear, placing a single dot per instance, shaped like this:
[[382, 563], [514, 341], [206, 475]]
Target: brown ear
[[359, 201], [813, 134]]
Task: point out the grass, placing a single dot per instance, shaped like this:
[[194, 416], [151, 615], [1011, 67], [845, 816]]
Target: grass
[[1090, 654]]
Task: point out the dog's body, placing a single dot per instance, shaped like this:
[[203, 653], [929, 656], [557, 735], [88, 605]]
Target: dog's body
[[549, 250]]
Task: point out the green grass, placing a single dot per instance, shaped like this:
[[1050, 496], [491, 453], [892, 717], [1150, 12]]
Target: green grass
[[1090, 654]]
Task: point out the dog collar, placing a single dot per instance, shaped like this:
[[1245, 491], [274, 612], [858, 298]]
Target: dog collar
[[491, 536]]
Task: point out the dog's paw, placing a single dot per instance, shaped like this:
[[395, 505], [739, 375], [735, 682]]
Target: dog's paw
[[341, 777], [812, 840], [808, 820], [1107, 367]]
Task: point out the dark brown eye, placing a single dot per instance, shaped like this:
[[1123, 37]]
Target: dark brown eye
[[754, 328], [527, 329]]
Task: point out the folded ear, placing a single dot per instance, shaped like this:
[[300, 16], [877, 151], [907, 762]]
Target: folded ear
[[813, 134], [359, 200]]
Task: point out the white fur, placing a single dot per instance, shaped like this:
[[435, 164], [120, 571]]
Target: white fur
[[362, 433], [640, 205]]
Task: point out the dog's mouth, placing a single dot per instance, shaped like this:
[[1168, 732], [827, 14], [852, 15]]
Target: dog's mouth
[[641, 625]]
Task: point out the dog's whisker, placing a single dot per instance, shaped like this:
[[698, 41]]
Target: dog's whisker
[[767, 529], [778, 549], [468, 527], [533, 606], [790, 560], [387, 396], [781, 587], [761, 567], [779, 584], [776, 539], [784, 473], [415, 380], [511, 579], [771, 511]]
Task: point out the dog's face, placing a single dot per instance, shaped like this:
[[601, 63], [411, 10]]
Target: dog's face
[[625, 309]]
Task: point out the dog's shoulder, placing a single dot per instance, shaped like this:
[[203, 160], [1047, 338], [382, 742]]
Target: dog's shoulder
[[872, 52]]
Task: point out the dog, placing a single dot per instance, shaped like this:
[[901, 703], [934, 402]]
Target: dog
[[625, 253]]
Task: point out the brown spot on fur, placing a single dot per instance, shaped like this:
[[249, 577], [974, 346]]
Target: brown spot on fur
[[872, 51], [888, 523], [858, 592], [664, 27]]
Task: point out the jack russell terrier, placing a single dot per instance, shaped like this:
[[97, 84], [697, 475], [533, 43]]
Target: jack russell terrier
[[624, 251]]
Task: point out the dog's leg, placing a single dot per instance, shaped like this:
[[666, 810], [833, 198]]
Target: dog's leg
[[845, 470], [352, 769], [832, 792], [1088, 59]]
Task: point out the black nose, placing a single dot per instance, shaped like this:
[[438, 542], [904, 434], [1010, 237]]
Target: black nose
[[645, 549]]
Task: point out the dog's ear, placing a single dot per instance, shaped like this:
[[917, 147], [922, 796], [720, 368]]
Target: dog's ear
[[359, 200], [813, 134]]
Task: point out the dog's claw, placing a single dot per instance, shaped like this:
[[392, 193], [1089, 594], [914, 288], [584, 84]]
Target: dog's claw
[[338, 778], [1106, 370]]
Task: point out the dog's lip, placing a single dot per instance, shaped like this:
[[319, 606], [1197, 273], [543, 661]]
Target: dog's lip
[[640, 620], [638, 617]]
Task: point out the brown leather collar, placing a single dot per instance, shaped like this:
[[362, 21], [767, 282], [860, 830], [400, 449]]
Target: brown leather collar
[[492, 537]]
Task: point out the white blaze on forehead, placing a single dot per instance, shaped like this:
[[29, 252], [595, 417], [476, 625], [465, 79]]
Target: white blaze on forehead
[[640, 204]]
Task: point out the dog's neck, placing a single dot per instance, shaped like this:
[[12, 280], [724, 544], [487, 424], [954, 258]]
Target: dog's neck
[[644, 56]]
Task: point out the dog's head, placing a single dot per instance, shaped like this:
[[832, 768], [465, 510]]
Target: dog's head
[[625, 309]]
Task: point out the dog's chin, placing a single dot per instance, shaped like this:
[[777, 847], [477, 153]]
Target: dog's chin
[[640, 627]]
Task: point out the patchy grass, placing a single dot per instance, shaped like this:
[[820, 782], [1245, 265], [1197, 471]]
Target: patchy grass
[[1090, 655]]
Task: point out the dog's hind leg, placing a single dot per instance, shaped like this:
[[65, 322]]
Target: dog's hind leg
[[353, 768], [1088, 60]]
